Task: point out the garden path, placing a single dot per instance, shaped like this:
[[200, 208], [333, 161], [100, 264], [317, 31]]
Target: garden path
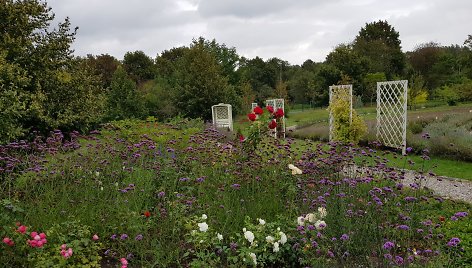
[[451, 188], [445, 187]]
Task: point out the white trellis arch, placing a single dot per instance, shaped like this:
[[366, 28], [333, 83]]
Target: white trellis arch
[[278, 104], [392, 113], [253, 105], [335, 92], [222, 116]]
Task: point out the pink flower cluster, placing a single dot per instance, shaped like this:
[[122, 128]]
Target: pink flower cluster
[[66, 252], [124, 263], [8, 241], [39, 240]]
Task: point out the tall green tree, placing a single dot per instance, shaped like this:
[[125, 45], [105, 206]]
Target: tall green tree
[[422, 59], [13, 99], [370, 85], [103, 65], [42, 53], [227, 57], [300, 85], [380, 44], [201, 83], [139, 66], [123, 100], [350, 63]]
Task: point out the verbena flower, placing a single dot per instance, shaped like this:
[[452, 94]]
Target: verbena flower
[[388, 245], [453, 242], [320, 225]]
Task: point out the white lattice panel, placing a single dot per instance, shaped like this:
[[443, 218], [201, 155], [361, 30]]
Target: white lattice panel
[[392, 113], [278, 104], [222, 116], [336, 92], [253, 105]]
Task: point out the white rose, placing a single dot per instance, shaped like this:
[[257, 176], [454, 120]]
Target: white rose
[[253, 257], [283, 238], [204, 217], [310, 217], [203, 226], [276, 247], [262, 222], [220, 236], [270, 239], [249, 236], [322, 212], [301, 221]]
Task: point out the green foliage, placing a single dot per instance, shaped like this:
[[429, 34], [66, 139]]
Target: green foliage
[[247, 97], [448, 94], [139, 66], [77, 103], [124, 101], [417, 93], [345, 129], [12, 100], [301, 85], [380, 44], [103, 66], [200, 83], [40, 82], [369, 82], [226, 57]]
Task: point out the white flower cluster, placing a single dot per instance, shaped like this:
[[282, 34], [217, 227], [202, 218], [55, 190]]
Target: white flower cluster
[[314, 218], [271, 240], [203, 226], [295, 170]]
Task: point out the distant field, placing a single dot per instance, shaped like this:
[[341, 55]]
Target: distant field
[[315, 122]]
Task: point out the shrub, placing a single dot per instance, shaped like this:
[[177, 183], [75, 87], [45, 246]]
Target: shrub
[[343, 129]]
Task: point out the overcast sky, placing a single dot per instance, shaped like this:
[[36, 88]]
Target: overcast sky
[[292, 30]]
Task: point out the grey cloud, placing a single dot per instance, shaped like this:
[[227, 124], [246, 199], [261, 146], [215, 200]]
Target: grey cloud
[[287, 29]]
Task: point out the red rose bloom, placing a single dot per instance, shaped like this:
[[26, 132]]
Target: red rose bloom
[[252, 117], [272, 124], [279, 113], [258, 110], [270, 109], [147, 214]]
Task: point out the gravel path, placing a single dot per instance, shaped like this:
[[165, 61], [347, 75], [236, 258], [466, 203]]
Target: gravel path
[[450, 188], [447, 188]]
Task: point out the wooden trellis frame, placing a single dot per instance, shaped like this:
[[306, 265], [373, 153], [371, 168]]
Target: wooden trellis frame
[[335, 92], [222, 116], [392, 99]]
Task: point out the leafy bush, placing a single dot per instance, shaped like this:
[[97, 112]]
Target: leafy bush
[[343, 129]]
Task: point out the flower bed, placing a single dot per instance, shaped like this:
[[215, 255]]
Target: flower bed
[[140, 194]]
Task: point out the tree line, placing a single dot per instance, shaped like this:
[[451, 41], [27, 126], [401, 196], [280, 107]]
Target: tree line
[[45, 87]]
